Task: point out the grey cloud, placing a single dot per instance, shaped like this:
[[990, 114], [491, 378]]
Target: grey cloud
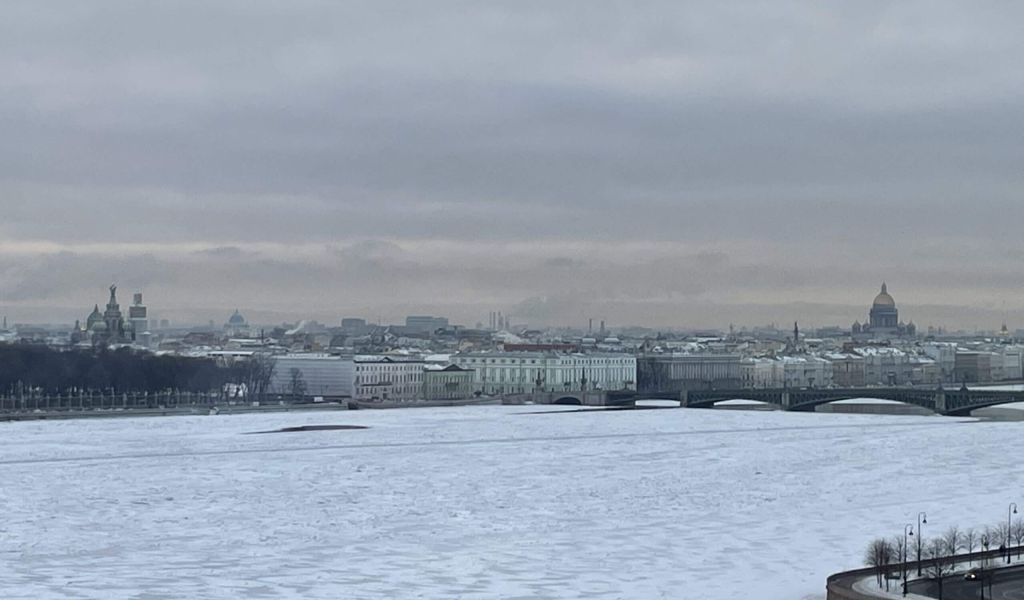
[[834, 145], [225, 252]]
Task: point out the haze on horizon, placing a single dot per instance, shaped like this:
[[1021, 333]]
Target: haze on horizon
[[668, 164]]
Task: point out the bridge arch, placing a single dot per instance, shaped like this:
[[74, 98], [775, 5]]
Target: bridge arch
[[810, 400], [657, 402], [568, 401], [869, 405], [744, 404]]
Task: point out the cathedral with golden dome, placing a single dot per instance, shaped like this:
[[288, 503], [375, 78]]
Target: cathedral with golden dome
[[884, 319]]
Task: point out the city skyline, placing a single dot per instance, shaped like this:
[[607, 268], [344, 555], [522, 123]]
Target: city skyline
[[187, 317]]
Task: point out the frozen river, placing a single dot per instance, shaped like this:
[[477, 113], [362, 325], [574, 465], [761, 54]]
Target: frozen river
[[484, 502]]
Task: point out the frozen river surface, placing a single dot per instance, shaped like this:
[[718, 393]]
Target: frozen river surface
[[484, 502]]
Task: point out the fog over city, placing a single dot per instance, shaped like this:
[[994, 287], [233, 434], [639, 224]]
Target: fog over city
[[667, 164]]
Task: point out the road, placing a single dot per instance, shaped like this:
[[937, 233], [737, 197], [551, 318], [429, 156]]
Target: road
[[1006, 584]]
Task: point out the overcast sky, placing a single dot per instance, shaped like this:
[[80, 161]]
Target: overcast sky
[[662, 163]]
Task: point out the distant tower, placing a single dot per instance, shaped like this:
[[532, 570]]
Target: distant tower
[[796, 334], [138, 316], [113, 317]]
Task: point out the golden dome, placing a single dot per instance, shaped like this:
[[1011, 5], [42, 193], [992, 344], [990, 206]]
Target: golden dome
[[883, 299]]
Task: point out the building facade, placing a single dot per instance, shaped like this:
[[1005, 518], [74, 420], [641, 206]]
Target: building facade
[[886, 366], [386, 378], [848, 369], [803, 371], [425, 323], [447, 382], [973, 367], [321, 375], [497, 373], [678, 372]]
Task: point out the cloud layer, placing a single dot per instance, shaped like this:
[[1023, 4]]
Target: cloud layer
[[667, 164]]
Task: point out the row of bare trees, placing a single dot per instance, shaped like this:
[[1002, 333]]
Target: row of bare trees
[[940, 553]]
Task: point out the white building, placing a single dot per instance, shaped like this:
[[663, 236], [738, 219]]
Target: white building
[[324, 375], [787, 372], [386, 378], [944, 355], [1011, 360], [886, 366], [525, 372], [447, 382], [924, 371], [758, 373], [803, 371]]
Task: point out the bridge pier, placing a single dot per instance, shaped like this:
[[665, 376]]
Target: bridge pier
[[785, 401], [940, 402], [684, 399]]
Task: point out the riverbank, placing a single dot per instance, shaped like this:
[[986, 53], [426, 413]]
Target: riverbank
[[169, 411]]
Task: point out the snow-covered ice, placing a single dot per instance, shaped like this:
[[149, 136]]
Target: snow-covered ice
[[481, 502]]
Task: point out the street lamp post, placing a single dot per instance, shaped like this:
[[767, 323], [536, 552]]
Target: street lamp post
[[908, 529], [1009, 525], [922, 519]]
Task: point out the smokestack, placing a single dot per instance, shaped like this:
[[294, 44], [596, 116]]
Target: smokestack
[[602, 326], [590, 326]]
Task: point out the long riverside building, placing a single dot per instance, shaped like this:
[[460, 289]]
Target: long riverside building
[[321, 374], [524, 372]]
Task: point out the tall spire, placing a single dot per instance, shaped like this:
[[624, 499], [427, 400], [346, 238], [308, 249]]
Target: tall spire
[[884, 291]]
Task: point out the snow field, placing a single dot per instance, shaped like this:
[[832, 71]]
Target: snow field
[[481, 502]]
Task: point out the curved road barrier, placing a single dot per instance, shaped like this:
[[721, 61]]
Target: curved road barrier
[[840, 585]]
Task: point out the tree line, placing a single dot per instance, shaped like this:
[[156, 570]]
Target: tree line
[[939, 553], [26, 368]]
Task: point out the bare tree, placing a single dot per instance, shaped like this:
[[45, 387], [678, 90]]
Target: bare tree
[[970, 541], [989, 539], [297, 383], [879, 555], [940, 564], [256, 373], [953, 541], [999, 536], [1017, 531], [899, 548]]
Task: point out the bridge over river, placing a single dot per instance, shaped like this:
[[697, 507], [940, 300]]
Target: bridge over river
[[940, 401]]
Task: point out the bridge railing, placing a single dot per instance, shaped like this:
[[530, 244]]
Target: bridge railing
[[106, 401]]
